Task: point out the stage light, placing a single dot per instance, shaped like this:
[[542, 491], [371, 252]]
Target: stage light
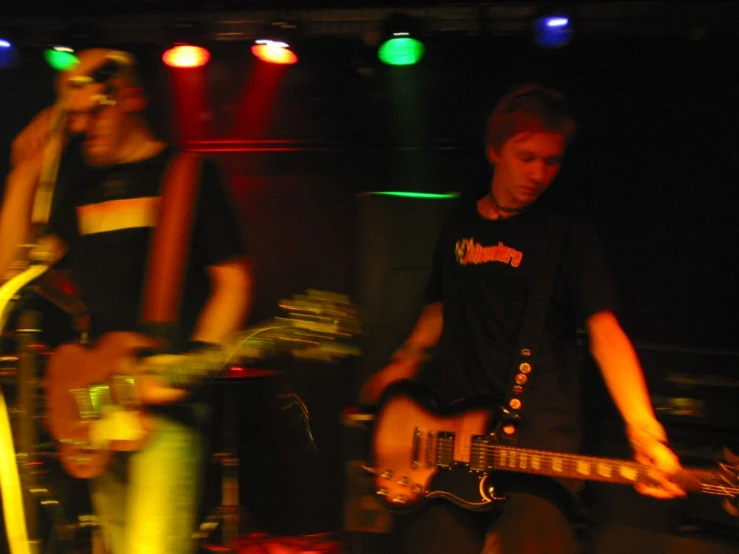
[[8, 52], [186, 55], [411, 194], [276, 44], [61, 53], [61, 58], [401, 45], [187, 50], [553, 29]]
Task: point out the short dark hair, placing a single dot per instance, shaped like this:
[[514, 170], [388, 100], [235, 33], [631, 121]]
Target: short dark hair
[[530, 107]]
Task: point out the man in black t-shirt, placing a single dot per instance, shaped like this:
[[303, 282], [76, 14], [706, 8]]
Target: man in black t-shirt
[[486, 256], [103, 223]]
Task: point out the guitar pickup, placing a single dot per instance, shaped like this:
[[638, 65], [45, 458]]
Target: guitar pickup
[[424, 448], [124, 390], [90, 400], [445, 449], [479, 453]]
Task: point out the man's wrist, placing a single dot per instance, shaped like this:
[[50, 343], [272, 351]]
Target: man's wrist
[[641, 435], [409, 352], [193, 346]]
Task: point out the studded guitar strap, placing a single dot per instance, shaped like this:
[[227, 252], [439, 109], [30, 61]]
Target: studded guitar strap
[[542, 281]]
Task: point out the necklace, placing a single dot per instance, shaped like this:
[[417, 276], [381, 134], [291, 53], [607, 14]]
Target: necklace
[[503, 209]]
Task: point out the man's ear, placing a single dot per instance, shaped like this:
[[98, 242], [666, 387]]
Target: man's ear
[[133, 99], [493, 155]]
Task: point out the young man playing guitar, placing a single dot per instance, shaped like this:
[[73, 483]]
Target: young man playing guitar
[[477, 295], [105, 221]]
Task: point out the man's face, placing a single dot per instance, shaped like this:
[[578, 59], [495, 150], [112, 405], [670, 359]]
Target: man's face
[[100, 118], [525, 166]]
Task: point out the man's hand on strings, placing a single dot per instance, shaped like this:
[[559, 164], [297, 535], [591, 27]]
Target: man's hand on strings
[[652, 451]]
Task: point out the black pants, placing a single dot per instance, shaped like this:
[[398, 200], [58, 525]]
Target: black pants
[[525, 524]]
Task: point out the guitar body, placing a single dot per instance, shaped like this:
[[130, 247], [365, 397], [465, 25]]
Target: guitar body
[[420, 452], [79, 389]]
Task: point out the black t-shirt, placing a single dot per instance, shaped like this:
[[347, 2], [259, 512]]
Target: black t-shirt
[[481, 273], [107, 216]]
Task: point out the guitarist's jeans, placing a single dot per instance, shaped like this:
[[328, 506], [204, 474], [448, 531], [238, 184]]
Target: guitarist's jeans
[[528, 524], [147, 500]]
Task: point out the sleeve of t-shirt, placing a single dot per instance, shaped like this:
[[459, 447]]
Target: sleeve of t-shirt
[[434, 289], [591, 287], [219, 235]]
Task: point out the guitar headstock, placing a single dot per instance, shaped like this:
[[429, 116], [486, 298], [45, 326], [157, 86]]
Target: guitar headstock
[[318, 325], [324, 312]]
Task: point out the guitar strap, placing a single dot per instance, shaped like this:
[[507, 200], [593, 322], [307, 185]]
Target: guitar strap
[[540, 290], [169, 248], [51, 158]]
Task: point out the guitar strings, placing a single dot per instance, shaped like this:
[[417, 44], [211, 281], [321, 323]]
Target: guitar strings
[[468, 451]]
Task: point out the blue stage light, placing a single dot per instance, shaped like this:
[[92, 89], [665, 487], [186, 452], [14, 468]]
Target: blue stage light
[[553, 31], [7, 53]]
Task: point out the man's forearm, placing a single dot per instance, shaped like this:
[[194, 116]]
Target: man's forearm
[[228, 304], [622, 373], [425, 334], [15, 214]]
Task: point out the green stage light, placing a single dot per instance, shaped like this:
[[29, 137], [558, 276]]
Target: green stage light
[[409, 194], [61, 58], [400, 43], [401, 50]]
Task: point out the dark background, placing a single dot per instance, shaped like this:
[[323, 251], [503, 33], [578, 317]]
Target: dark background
[[654, 168]]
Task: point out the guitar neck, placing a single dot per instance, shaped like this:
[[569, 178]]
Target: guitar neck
[[193, 368], [256, 342], [589, 468]]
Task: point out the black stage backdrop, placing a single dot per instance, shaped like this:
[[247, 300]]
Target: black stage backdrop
[[654, 167]]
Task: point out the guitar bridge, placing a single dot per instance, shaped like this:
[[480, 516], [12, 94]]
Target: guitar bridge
[[416, 449]]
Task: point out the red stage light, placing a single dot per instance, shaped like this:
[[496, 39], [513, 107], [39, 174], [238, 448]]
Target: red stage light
[[186, 55], [274, 52]]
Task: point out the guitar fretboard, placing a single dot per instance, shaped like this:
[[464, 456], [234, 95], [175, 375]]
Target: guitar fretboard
[[553, 464], [572, 466]]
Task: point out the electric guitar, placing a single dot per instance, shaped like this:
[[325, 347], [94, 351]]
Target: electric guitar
[[420, 453], [94, 396]]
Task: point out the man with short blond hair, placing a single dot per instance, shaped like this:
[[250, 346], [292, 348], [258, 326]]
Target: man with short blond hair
[[487, 261]]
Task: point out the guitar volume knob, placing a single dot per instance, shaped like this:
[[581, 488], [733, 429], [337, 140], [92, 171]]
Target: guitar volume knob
[[404, 481], [387, 474]]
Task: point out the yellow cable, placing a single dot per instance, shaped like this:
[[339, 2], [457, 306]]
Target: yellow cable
[[10, 488]]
